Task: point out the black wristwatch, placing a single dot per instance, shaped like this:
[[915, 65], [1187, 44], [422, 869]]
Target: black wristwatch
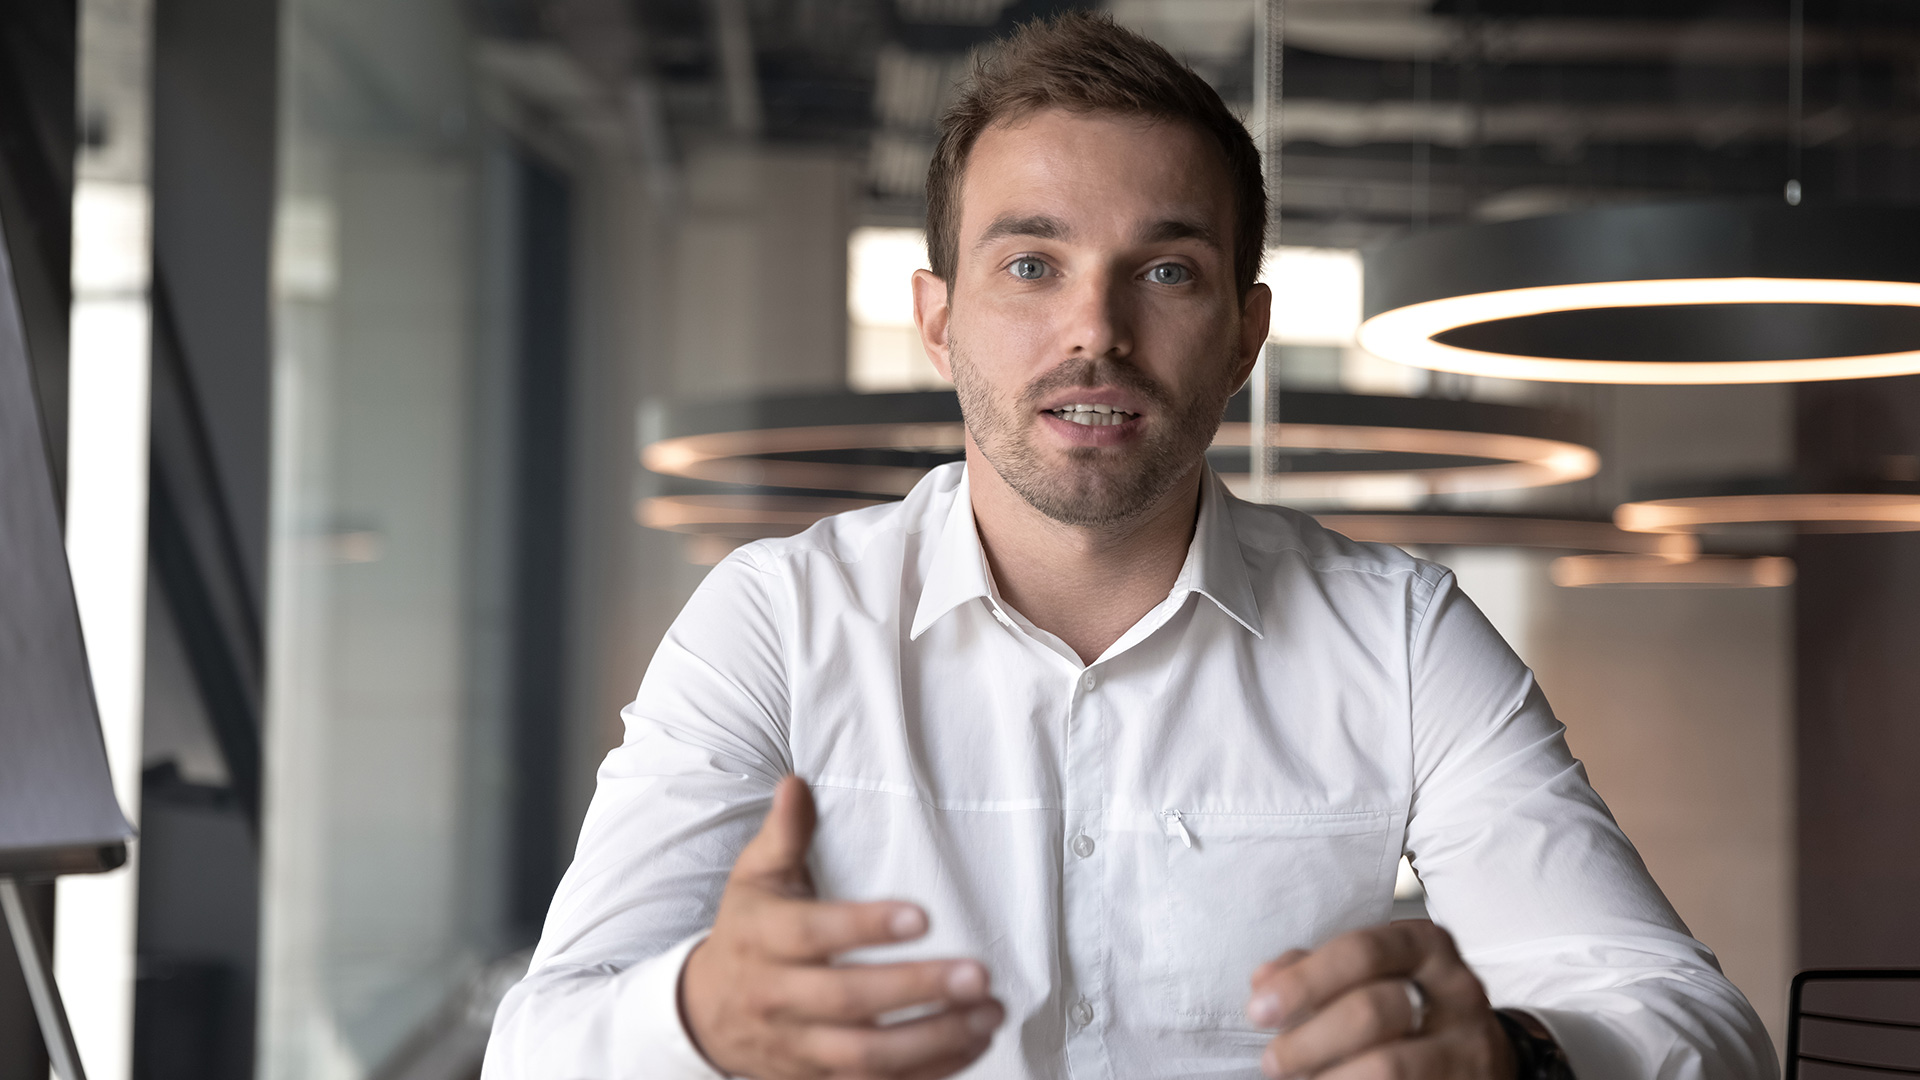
[[1535, 1055]]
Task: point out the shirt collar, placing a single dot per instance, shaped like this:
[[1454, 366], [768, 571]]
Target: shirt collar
[[1215, 567], [1215, 563], [958, 572]]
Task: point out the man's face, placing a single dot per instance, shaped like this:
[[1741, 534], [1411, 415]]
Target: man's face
[[1093, 327]]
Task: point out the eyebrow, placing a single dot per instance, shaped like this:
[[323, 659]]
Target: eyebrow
[[1043, 227], [1039, 226], [1174, 229]]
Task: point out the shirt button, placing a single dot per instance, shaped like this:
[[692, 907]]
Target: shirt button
[[1089, 680], [1081, 1012], [1083, 845]]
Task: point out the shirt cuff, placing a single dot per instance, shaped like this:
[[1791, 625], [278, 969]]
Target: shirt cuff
[[651, 1007]]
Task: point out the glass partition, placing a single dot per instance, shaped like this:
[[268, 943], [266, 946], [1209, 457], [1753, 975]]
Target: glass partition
[[386, 823]]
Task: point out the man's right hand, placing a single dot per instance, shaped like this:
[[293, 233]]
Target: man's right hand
[[761, 995]]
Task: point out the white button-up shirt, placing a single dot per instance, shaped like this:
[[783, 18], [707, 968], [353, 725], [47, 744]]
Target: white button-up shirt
[[1121, 843]]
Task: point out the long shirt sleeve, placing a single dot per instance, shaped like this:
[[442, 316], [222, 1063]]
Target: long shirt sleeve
[[675, 803], [1550, 903]]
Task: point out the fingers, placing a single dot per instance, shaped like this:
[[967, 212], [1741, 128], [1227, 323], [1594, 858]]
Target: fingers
[[1376, 1013], [758, 995], [934, 1047], [1286, 993], [858, 995], [1417, 1057], [809, 931], [777, 857]]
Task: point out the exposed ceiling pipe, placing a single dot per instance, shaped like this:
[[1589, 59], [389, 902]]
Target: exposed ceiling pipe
[[1404, 30], [603, 38], [1363, 31], [739, 81], [1455, 124]]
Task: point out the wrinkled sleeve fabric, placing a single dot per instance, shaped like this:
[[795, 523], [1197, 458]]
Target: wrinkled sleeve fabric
[[1548, 900], [706, 741]]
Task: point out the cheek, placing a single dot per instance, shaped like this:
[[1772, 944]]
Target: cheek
[[1190, 355], [1003, 343]]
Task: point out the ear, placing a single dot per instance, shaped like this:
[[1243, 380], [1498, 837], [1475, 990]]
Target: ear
[[1256, 318], [931, 312]]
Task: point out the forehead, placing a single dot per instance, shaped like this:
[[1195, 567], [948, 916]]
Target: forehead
[[1102, 172]]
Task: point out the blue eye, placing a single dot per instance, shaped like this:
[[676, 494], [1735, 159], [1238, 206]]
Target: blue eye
[[1169, 274], [1029, 269]]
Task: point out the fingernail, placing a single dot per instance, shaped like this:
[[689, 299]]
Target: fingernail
[[907, 922], [1264, 1010], [983, 1020], [1270, 1064], [966, 981]]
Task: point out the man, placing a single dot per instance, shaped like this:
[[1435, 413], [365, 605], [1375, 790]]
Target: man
[[1110, 770]]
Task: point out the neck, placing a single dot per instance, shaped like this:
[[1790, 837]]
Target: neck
[[1086, 585]]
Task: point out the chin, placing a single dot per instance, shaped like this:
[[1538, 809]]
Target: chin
[[1083, 494]]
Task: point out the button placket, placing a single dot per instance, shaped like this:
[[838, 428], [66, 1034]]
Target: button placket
[[1084, 879]]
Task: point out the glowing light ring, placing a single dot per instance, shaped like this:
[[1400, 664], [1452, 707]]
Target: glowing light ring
[[1705, 571], [1828, 512], [1487, 530], [1514, 461], [1405, 334], [727, 456], [744, 517], [740, 516]]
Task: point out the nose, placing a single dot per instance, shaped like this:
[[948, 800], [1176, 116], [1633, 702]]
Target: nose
[[1098, 321]]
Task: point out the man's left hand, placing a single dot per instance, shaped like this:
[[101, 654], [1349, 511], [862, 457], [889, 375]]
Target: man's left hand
[[1345, 1011]]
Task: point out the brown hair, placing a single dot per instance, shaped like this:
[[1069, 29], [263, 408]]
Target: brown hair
[[1083, 62]]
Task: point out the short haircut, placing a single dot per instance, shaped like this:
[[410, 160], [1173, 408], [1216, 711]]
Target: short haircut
[[1083, 62]]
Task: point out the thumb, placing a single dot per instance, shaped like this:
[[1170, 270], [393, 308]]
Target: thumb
[[777, 856]]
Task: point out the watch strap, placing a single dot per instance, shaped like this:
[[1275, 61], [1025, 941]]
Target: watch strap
[[1536, 1055]]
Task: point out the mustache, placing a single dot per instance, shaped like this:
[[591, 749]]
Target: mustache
[[1093, 375]]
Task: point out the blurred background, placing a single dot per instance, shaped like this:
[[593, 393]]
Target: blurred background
[[456, 338]]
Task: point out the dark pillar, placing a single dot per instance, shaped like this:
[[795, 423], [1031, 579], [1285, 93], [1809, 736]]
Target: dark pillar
[[215, 78], [38, 136], [1859, 691]]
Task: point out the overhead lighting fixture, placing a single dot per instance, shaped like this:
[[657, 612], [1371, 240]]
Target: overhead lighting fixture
[[1421, 528], [1684, 293], [741, 516], [1338, 446], [716, 523], [1650, 571], [713, 525], [1894, 508]]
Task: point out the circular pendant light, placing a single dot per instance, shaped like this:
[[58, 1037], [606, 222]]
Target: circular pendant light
[[1614, 557], [1337, 446], [715, 523], [1814, 508], [1664, 294], [1650, 571], [1428, 528]]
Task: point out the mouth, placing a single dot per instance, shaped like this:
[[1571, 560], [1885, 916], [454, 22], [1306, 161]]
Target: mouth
[[1092, 415]]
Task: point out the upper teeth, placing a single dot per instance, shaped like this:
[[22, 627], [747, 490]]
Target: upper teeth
[[1093, 414]]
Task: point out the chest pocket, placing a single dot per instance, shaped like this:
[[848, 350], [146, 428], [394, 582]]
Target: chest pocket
[[1237, 890]]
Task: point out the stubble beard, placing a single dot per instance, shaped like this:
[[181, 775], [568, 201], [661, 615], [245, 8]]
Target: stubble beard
[[1097, 487]]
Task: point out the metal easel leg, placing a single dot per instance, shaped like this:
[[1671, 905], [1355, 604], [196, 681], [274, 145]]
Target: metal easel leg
[[37, 964]]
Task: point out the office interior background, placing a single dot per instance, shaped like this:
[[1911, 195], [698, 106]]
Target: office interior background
[[465, 334]]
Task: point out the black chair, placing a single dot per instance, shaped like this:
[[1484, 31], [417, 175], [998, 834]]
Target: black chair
[[1853, 1024]]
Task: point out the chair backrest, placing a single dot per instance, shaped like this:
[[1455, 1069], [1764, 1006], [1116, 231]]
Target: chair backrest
[[1853, 1024]]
